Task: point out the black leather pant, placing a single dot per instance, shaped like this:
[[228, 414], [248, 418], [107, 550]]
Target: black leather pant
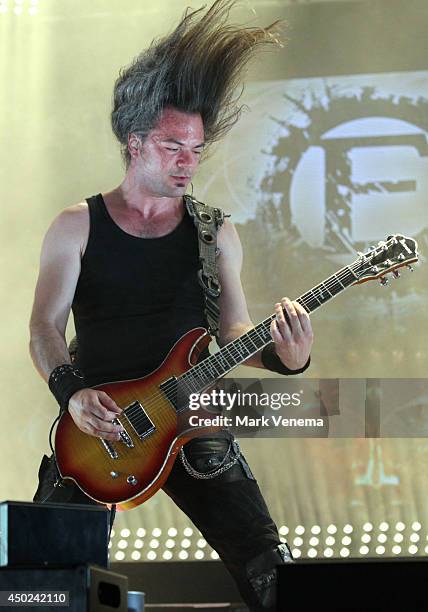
[[229, 510]]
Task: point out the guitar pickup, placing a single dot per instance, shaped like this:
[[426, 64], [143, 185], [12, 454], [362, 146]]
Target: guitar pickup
[[139, 420]]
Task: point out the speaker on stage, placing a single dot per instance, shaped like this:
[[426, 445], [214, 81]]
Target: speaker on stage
[[53, 534], [354, 584], [75, 589]]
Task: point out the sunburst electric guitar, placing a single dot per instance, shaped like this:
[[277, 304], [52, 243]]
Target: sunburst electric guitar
[[129, 471]]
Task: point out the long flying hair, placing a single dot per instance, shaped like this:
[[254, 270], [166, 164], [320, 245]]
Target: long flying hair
[[196, 69]]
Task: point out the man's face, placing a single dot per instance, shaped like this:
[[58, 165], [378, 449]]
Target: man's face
[[170, 154]]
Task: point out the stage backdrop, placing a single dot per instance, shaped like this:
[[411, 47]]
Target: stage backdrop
[[330, 156]]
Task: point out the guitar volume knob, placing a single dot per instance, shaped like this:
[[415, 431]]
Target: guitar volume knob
[[131, 480]]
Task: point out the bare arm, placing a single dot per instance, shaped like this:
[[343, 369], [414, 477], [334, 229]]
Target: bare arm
[[92, 410], [234, 317], [58, 275], [292, 344]]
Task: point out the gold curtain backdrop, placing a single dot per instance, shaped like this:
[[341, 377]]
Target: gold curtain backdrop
[[326, 161]]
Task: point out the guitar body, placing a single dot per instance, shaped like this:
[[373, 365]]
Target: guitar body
[[86, 460], [129, 471]]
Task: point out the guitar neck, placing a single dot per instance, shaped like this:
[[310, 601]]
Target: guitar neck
[[208, 371]]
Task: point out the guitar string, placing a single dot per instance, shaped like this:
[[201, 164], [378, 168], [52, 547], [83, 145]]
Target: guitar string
[[193, 383], [202, 375], [153, 401], [172, 386], [309, 299], [197, 374]]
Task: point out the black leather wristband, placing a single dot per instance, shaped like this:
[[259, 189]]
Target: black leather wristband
[[64, 381], [272, 362]]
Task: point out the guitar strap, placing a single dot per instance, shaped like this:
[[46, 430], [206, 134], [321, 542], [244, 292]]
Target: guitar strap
[[207, 221]]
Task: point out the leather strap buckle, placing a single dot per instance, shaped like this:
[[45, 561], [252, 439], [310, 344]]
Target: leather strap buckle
[[209, 284]]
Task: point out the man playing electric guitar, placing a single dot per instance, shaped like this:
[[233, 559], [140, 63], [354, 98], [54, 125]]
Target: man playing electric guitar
[[126, 262]]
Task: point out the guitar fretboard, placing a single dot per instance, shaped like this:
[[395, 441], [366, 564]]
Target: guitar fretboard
[[208, 371]]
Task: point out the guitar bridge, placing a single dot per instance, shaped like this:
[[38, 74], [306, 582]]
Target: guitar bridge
[[124, 436]]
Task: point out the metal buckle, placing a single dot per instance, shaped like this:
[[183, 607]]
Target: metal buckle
[[212, 287]]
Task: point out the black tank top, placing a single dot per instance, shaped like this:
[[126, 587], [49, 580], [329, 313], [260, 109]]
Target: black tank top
[[134, 298]]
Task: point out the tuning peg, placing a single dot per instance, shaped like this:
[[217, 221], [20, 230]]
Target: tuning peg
[[384, 281], [395, 274], [410, 267]]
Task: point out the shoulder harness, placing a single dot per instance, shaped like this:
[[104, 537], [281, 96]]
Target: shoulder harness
[[207, 221]]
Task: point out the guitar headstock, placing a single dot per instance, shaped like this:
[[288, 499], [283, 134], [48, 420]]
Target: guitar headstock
[[389, 256]]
